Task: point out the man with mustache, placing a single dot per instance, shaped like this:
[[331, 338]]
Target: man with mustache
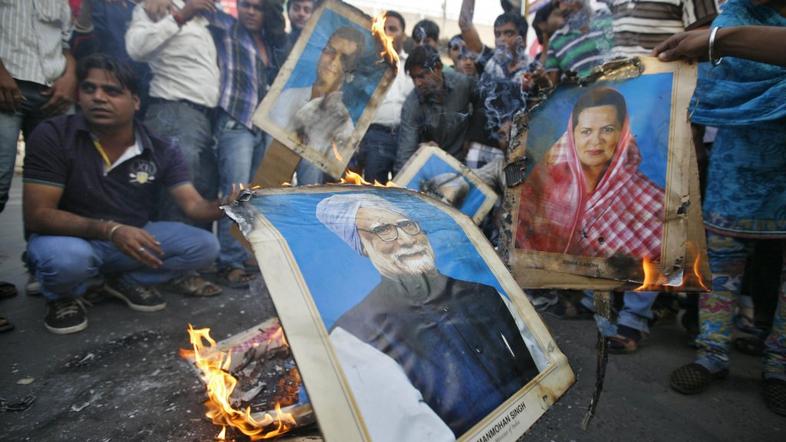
[[443, 346], [90, 182]]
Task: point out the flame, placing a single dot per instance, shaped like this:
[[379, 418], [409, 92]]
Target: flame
[[356, 179], [335, 152], [653, 278], [214, 366], [223, 434], [389, 53], [697, 264]]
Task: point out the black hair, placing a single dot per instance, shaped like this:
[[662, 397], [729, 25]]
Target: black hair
[[397, 16], [353, 35], [425, 57], [273, 23], [314, 2], [600, 96], [517, 20], [425, 29], [542, 16], [454, 38], [120, 70]]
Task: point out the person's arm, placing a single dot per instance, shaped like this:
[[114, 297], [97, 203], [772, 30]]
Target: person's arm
[[10, 94], [408, 132], [198, 208], [145, 36], [468, 31], [749, 42], [63, 91], [42, 216]]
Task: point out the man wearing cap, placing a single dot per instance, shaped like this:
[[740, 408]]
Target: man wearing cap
[[456, 341]]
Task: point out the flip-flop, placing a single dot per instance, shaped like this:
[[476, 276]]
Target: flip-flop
[[238, 282], [7, 290], [193, 285]]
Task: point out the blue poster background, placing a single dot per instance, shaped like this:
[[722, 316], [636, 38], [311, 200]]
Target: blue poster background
[[337, 276]]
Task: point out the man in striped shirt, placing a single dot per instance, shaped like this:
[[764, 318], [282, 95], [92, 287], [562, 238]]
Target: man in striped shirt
[[639, 25], [37, 73]]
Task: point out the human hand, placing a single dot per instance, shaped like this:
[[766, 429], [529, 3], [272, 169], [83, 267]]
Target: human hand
[[233, 194], [157, 9], [61, 94], [138, 244], [690, 45], [10, 94], [196, 7]]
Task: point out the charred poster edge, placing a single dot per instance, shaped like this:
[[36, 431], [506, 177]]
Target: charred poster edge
[[424, 153], [329, 163], [681, 214], [336, 410]]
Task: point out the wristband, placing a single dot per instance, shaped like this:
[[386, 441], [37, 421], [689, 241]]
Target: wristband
[[713, 33]]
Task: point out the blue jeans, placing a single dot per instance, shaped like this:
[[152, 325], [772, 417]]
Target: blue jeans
[[63, 265], [240, 150], [308, 173], [636, 312], [27, 116], [189, 129], [377, 152]]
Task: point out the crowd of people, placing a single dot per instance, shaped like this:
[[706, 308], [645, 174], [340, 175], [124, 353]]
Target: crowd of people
[[137, 121]]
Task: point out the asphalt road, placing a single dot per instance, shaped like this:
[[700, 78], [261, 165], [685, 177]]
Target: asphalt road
[[121, 379]]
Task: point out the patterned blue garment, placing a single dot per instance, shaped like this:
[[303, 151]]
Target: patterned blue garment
[[244, 77], [746, 100]]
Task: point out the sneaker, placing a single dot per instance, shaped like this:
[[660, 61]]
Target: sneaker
[[694, 378], [139, 298], [65, 316]]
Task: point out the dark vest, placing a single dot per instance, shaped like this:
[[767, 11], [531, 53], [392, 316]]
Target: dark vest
[[456, 341]]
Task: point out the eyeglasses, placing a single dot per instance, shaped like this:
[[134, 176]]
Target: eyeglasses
[[389, 232], [248, 5]]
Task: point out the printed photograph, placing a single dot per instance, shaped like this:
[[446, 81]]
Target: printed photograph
[[326, 93], [428, 337], [436, 173]]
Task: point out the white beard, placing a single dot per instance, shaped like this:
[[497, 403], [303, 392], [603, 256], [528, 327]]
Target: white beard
[[397, 265]]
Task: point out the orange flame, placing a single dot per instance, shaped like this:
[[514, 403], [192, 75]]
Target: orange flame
[[653, 278], [353, 178], [214, 366], [697, 264], [336, 154], [389, 52]]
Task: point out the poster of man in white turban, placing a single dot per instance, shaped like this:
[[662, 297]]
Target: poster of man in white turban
[[415, 324], [325, 95]]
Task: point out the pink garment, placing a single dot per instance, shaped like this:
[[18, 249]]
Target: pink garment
[[622, 216]]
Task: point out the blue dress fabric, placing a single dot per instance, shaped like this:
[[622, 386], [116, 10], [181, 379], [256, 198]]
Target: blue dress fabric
[[746, 100]]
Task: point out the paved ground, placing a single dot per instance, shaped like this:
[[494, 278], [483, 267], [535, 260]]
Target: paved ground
[[121, 379]]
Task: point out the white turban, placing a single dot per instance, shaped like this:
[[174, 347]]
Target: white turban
[[339, 212]]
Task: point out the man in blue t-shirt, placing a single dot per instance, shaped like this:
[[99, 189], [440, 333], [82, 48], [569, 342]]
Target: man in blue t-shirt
[[90, 187]]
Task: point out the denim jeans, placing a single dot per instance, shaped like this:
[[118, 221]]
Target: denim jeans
[[240, 150], [189, 129], [308, 173], [377, 152], [636, 312], [63, 265], [27, 116]]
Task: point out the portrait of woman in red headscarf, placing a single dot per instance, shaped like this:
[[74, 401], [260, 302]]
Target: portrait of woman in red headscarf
[[587, 196]]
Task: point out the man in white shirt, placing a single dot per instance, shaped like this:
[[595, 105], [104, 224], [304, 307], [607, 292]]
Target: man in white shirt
[[185, 87], [377, 152]]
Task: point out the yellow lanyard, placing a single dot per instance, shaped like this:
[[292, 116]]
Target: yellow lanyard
[[102, 152]]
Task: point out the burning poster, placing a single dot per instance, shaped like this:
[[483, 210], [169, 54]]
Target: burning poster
[[325, 95], [404, 323], [607, 179], [434, 172]]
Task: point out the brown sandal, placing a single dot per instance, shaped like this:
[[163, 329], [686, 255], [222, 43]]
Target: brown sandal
[[235, 278], [5, 325], [193, 285]]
